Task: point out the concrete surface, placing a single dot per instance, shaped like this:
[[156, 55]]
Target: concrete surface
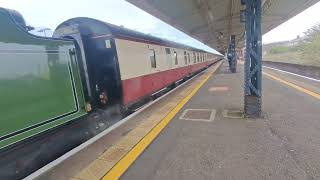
[[285, 144], [300, 81], [96, 160]]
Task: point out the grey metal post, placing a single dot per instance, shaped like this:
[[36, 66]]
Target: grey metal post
[[233, 60], [231, 55], [253, 57]]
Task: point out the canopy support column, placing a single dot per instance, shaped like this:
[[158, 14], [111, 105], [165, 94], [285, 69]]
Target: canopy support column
[[253, 57], [232, 54]]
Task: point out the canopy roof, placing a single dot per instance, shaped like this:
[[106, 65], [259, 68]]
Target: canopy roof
[[213, 21]]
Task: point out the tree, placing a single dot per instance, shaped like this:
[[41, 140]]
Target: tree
[[311, 49], [311, 33]]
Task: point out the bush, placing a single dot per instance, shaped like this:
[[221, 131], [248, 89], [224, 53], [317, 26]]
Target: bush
[[306, 52], [311, 49], [279, 49]]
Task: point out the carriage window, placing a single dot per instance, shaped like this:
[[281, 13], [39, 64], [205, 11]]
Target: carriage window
[[194, 57], [152, 55], [168, 51], [185, 58], [189, 58], [175, 56], [108, 43], [198, 58]]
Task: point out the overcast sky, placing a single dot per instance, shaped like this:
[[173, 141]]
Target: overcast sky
[[45, 13], [295, 26]]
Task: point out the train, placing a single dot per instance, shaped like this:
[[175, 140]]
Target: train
[[123, 67], [87, 65]]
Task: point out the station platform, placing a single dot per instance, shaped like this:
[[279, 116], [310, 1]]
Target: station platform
[[198, 131]]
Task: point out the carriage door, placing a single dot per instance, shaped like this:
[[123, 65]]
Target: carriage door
[[169, 58]]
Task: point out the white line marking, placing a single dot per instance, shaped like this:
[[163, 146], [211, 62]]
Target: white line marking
[[312, 79], [226, 115], [211, 118], [77, 149]]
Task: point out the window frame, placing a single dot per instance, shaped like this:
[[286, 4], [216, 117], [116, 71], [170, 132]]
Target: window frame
[[153, 61], [198, 57], [185, 58], [175, 57]]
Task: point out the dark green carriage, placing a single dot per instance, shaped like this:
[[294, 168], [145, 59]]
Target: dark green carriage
[[40, 85]]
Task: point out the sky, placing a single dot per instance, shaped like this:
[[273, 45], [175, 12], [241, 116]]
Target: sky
[[295, 26], [45, 13]]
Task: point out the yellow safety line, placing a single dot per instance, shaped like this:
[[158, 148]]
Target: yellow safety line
[[133, 154], [299, 88]]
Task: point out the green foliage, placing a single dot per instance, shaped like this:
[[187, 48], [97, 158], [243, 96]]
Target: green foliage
[[306, 52], [312, 33], [279, 49], [311, 49]]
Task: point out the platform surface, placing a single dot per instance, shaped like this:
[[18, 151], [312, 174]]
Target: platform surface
[[285, 144], [203, 134], [97, 159]]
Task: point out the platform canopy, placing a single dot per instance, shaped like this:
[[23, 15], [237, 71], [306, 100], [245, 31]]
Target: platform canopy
[[213, 21]]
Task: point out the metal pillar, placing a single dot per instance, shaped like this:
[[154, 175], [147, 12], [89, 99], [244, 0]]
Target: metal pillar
[[232, 54], [229, 56], [253, 74]]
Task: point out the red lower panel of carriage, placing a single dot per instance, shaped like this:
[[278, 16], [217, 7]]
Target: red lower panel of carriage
[[138, 87]]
